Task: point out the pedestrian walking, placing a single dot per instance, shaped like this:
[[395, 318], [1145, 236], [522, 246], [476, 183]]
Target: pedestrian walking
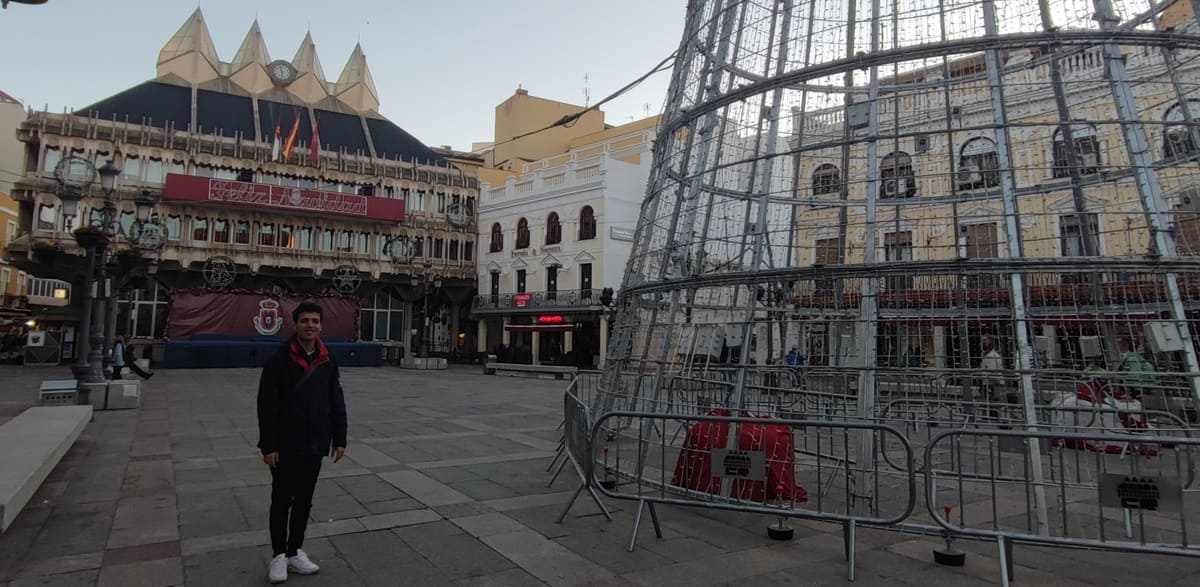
[[301, 418], [118, 357]]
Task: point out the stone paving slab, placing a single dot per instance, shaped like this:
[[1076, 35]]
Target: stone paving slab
[[444, 484]]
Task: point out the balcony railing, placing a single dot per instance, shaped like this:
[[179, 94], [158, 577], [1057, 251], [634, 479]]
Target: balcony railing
[[562, 299], [13, 301]]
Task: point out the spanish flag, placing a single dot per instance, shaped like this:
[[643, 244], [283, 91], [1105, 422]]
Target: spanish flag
[[291, 140]]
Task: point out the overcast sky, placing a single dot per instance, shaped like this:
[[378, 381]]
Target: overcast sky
[[441, 66]]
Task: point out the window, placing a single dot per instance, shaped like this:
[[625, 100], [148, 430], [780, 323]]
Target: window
[[1187, 232], [587, 223], [125, 222], [344, 239], [981, 242], [173, 227], [199, 229], [47, 217], [438, 248], [382, 318], [155, 172], [897, 177], [553, 229], [203, 170], [454, 250], [827, 179], [10, 231], [441, 203], [221, 231], [497, 239], [552, 283], [5, 277], [418, 202], [1177, 138], [241, 232], [1071, 236], [585, 281], [285, 240], [133, 168], [266, 234], [468, 251], [178, 167], [522, 234], [304, 238], [897, 246], [826, 252], [978, 165], [1087, 148], [327, 240], [143, 312], [419, 246], [495, 287], [520, 281], [22, 280], [362, 243], [51, 159]]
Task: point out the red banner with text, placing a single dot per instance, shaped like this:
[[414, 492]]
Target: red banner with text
[[205, 312], [190, 188]]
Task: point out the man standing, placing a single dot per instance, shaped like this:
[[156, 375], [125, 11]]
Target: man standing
[[301, 418]]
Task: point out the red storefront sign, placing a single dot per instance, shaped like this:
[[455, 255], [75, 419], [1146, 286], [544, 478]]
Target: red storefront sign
[[189, 188]]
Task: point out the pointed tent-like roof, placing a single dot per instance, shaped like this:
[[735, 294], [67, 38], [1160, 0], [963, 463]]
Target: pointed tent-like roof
[[356, 86], [306, 60], [253, 49], [191, 38]]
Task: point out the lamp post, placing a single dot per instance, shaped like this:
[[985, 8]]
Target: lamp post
[[426, 279], [105, 311], [74, 176]]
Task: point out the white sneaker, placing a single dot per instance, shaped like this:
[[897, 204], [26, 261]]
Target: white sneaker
[[301, 564], [277, 572]]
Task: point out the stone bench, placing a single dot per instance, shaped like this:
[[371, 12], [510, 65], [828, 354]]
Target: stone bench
[[33, 443], [546, 371]]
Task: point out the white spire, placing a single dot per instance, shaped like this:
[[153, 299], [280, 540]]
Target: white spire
[[306, 60], [192, 38], [356, 86], [253, 49]]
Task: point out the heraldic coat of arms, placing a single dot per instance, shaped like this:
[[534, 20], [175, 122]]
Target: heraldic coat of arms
[[268, 321]]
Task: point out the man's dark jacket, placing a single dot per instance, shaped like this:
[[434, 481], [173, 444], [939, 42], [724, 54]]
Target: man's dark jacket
[[301, 410]]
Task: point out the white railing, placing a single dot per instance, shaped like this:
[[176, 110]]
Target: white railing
[[574, 173]]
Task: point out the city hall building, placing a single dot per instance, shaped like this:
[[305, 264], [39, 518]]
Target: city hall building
[[270, 177]]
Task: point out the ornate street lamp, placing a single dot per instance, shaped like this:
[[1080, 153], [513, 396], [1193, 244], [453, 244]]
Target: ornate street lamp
[[426, 279], [148, 232], [74, 175]]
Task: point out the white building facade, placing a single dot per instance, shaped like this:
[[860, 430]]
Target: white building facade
[[553, 243]]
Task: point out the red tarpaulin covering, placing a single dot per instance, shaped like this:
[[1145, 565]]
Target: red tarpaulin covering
[[195, 312], [693, 469]]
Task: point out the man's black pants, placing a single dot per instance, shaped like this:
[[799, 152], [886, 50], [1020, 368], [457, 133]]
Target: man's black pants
[[293, 480]]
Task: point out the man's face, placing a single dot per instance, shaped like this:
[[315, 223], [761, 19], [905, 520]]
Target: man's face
[[308, 327]]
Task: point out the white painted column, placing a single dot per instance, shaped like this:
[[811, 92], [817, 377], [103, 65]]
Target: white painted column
[[481, 336], [568, 341], [603, 340], [537, 347], [505, 335]]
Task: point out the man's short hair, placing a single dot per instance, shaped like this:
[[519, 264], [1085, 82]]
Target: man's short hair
[[306, 308]]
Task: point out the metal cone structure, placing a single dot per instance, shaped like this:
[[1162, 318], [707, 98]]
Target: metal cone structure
[[974, 206]]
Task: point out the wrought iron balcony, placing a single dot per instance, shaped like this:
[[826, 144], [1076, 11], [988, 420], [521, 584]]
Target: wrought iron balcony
[[540, 300]]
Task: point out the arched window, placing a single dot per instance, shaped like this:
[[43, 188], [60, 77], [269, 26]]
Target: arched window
[[587, 223], [827, 179], [522, 234], [978, 165], [897, 177], [1177, 140], [553, 229], [1087, 148], [497, 238]]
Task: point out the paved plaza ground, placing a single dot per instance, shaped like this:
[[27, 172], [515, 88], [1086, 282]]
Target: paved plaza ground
[[444, 484]]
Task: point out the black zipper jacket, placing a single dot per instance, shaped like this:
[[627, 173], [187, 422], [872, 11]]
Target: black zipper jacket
[[301, 409]]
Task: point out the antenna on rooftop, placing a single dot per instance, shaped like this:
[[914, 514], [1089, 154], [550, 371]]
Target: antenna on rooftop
[[587, 91]]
